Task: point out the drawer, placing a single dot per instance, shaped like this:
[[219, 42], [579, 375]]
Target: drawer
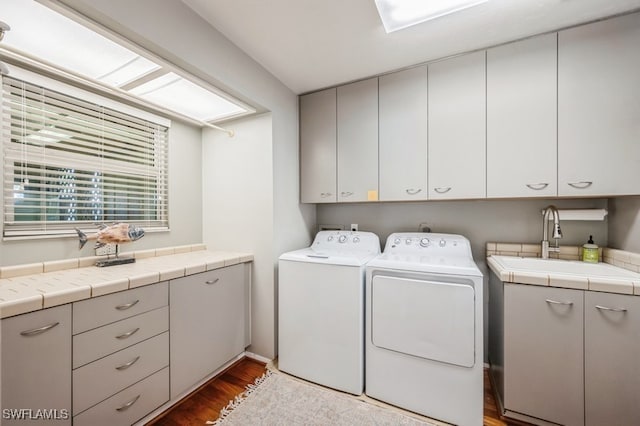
[[129, 405], [107, 376], [93, 313], [100, 342]]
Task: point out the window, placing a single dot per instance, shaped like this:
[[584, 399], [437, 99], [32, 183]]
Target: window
[[71, 162]]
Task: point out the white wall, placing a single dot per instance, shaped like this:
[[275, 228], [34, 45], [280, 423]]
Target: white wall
[[185, 209], [624, 223]]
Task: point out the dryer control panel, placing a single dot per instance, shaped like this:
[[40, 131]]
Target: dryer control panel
[[353, 241], [427, 243]]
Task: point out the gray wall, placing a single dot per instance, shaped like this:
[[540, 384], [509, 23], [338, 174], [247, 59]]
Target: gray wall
[[185, 209], [624, 223]]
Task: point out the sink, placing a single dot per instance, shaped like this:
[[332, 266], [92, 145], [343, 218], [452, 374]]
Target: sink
[[570, 267]]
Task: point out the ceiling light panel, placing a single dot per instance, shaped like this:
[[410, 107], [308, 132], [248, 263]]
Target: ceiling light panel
[[399, 14]]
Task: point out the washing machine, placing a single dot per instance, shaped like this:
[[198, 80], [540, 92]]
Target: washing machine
[[321, 309], [424, 344]]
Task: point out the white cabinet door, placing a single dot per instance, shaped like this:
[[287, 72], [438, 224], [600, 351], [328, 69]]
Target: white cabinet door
[[207, 325], [403, 135], [521, 118], [612, 351], [543, 353], [599, 108], [457, 111], [36, 366], [318, 147], [358, 141]]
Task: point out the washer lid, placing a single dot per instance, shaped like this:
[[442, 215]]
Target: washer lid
[[329, 257], [452, 265]]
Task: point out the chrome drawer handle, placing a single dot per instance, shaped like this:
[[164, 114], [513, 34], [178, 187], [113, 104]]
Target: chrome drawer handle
[[210, 282], [604, 308], [580, 185], [412, 191], [40, 330], [128, 364], [346, 193], [127, 305], [128, 334], [537, 186], [555, 302], [325, 194], [128, 404], [442, 190]]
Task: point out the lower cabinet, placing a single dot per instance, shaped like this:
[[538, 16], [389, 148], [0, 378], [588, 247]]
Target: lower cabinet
[[36, 368], [207, 323], [565, 356]]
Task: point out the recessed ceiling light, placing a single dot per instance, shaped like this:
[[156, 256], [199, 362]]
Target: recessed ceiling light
[[400, 14]]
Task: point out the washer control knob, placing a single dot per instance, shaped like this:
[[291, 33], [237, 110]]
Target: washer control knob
[[396, 241], [442, 243], [342, 239], [330, 238], [424, 242], [356, 239], [408, 241]]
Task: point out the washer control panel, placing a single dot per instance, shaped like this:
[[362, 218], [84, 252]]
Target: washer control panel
[[347, 241], [427, 243]]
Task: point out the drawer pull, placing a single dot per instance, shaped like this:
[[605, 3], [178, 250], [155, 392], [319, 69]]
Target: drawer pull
[[580, 185], [128, 334], [555, 302], [442, 190], [128, 404], [346, 193], [127, 305], [40, 330], [325, 194], [128, 364], [537, 186], [412, 191], [604, 308], [210, 282]]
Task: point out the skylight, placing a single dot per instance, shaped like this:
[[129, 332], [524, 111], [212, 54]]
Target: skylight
[[399, 14], [54, 38]]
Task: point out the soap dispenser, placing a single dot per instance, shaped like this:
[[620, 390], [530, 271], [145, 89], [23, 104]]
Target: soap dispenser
[[590, 251]]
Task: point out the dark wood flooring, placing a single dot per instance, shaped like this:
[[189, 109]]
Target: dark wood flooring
[[206, 402]]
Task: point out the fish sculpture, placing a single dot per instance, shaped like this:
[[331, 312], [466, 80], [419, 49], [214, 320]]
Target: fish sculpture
[[117, 233]]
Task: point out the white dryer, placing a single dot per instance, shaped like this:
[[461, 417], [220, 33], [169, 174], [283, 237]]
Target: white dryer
[[321, 309], [424, 345]]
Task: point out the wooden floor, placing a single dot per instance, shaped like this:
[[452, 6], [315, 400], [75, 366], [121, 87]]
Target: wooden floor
[[206, 402]]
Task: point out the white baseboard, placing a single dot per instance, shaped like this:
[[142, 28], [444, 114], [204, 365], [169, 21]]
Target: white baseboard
[[257, 357]]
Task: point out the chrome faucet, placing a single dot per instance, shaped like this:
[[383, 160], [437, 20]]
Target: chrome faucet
[[557, 233]]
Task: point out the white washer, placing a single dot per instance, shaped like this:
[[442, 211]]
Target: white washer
[[321, 309], [424, 346]]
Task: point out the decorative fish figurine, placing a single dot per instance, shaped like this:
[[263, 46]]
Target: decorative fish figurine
[[117, 233]]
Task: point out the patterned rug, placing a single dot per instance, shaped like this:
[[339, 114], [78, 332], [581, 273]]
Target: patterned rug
[[277, 399]]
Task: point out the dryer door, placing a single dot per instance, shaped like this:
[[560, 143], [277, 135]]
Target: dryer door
[[426, 318]]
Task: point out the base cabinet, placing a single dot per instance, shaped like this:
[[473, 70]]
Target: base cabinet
[[36, 368]]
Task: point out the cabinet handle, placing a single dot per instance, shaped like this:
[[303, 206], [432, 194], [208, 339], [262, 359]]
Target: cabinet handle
[[580, 185], [537, 186], [128, 364], [210, 282], [604, 308], [442, 190], [346, 193], [325, 194], [127, 305], [128, 334], [128, 404], [40, 330], [555, 302], [412, 191]]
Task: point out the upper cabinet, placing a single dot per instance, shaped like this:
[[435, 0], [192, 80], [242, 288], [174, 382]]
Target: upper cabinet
[[521, 118], [358, 141], [318, 147], [599, 108], [457, 111], [403, 135]]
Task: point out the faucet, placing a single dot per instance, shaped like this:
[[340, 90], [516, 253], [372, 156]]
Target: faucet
[[557, 233]]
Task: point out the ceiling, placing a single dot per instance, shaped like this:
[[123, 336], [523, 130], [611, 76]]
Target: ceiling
[[312, 44]]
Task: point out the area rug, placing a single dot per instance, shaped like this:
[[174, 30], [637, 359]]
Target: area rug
[[277, 399]]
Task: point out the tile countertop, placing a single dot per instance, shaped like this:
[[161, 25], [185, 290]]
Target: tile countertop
[[26, 288], [621, 280]]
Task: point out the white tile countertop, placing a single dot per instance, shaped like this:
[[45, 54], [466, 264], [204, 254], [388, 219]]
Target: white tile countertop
[[26, 288], [603, 276]]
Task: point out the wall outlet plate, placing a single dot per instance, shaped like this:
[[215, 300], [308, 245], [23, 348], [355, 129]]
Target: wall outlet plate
[[354, 227], [109, 249]]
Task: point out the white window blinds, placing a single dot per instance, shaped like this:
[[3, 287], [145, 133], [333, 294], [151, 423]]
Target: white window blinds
[[72, 163]]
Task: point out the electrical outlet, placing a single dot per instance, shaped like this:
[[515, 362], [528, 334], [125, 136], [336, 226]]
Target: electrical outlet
[[109, 249], [424, 227], [354, 227]]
